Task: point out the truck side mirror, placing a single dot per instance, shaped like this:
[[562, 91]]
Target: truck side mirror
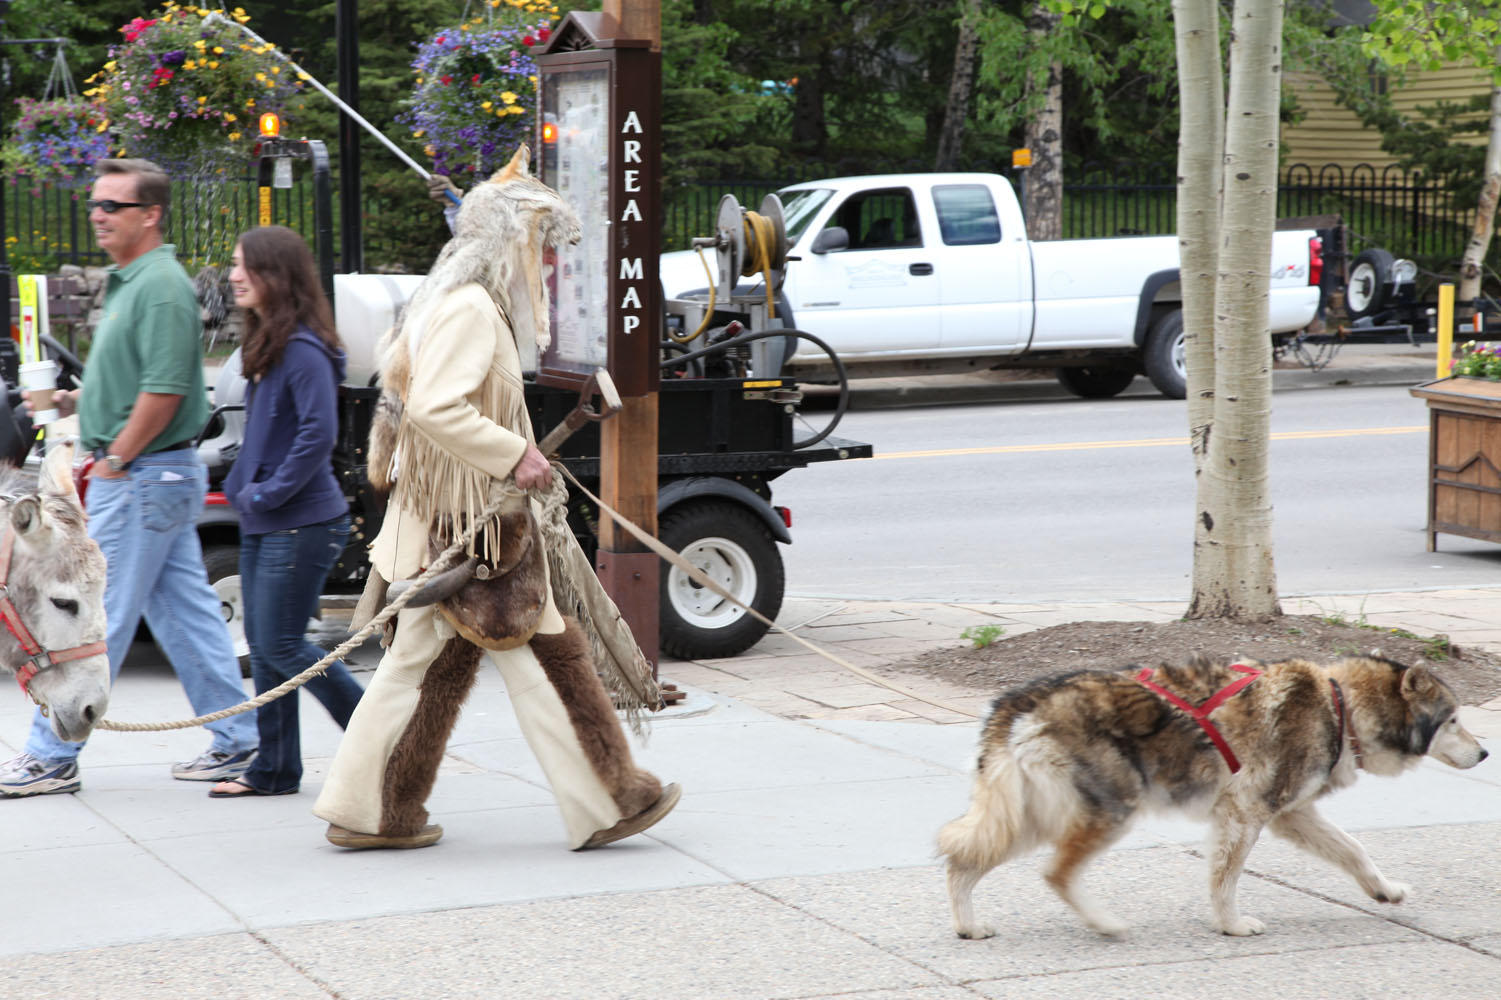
[[833, 238]]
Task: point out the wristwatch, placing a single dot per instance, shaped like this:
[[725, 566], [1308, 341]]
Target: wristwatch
[[115, 464]]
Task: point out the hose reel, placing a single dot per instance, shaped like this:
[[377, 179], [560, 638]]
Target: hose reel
[[746, 244]]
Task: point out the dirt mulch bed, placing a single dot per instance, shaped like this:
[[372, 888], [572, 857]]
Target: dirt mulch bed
[[1474, 674]]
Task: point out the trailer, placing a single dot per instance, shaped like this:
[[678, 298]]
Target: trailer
[[727, 430]]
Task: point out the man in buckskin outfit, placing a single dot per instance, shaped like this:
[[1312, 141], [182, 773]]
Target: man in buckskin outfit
[[453, 421]]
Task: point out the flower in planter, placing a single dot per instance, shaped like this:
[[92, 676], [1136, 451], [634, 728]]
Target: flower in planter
[[1478, 361], [55, 141], [170, 90], [476, 91]]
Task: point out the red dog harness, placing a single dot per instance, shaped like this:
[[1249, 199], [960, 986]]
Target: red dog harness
[[1200, 713], [37, 658]]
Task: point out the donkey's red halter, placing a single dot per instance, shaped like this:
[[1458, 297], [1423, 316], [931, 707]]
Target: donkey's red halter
[[37, 658]]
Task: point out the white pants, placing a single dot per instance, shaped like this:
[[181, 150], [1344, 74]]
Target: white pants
[[351, 797]]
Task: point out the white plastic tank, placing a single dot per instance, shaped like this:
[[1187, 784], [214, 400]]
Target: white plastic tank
[[365, 306]]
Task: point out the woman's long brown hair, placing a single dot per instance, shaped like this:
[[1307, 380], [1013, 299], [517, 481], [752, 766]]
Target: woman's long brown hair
[[286, 277]]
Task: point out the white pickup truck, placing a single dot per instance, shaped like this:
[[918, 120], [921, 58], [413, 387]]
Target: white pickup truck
[[931, 273]]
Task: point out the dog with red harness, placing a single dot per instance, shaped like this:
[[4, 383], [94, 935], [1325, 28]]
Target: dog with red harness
[[1071, 760]]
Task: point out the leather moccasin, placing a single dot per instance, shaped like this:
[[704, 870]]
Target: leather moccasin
[[425, 837], [632, 825]]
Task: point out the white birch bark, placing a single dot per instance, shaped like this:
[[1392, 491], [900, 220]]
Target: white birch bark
[[1471, 268], [1235, 500]]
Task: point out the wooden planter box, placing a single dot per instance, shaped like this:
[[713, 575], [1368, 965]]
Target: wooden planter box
[[1464, 457]]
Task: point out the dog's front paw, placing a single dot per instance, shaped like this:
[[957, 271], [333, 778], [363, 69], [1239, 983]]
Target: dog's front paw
[[1242, 927], [1109, 925], [975, 932], [1391, 892]]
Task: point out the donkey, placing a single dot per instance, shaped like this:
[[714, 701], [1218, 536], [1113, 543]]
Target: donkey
[[52, 596]]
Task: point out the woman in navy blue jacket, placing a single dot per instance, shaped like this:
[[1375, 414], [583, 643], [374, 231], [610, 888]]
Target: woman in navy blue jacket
[[294, 520]]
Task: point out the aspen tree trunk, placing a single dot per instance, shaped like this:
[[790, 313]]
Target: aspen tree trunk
[[1201, 102], [1234, 501], [1471, 268], [961, 88], [1045, 139]]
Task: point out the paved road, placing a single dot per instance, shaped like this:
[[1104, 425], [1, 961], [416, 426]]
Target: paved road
[[1025, 498]]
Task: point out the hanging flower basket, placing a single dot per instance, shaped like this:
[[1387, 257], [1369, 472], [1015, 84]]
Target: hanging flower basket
[[185, 91], [55, 141], [476, 92]]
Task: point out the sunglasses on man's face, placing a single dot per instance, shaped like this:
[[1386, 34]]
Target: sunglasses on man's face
[[109, 206]]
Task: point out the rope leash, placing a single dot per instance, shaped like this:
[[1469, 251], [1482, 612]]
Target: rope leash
[[507, 492], [702, 579], [503, 494]]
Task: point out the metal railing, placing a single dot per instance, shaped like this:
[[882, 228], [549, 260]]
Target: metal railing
[[1405, 212]]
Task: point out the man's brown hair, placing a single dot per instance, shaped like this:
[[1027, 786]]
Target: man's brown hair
[[152, 184]]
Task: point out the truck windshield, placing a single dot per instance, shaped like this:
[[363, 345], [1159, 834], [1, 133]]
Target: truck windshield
[[799, 207]]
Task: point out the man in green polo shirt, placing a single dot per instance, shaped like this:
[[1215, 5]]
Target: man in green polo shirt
[[140, 407]]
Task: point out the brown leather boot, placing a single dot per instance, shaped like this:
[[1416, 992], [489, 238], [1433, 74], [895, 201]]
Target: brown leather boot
[[632, 825], [425, 837]]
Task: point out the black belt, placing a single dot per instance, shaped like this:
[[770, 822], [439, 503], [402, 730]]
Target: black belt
[[191, 442]]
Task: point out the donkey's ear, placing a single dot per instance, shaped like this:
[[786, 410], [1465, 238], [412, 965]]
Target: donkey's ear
[[26, 515], [56, 478]]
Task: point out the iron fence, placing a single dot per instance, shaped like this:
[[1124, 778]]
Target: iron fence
[[1406, 213]]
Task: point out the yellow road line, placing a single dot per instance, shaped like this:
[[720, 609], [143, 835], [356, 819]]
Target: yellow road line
[[1180, 442]]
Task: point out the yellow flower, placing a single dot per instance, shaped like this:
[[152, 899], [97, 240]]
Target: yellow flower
[[213, 64], [508, 97], [203, 100], [200, 45], [516, 109], [218, 50], [110, 66], [276, 69], [229, 116], [419, 133], [234, 137], [485, 105], [190, 64], [463, 27], [261, 77], [428, 151]]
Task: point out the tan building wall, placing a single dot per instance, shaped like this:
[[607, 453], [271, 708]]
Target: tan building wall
[[1331, 133]]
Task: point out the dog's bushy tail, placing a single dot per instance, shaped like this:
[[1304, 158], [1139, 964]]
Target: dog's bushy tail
[[995, 827], [1020, 800]]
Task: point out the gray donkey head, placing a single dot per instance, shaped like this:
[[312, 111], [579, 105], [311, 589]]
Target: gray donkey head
[[52, 596]]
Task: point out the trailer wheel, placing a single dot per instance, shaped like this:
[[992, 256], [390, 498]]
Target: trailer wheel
[[223, 565], [730, 545], [1370, 277], [1096, 382], [1163, 358]]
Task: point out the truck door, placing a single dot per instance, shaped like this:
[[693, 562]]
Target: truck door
[[878, 296], [984, 274]]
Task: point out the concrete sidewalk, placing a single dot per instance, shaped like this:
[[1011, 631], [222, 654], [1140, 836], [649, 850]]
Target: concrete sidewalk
[[798, 865]]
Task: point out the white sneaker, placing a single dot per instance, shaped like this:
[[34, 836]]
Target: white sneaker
[[27, 775]]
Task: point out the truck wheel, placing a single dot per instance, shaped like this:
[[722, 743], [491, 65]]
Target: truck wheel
[[223, 565], [1370, 277], [1163, 358], [1096, 382], [730, 545]]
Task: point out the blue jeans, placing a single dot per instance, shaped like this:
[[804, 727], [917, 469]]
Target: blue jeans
[[281, 578], [144, 524]]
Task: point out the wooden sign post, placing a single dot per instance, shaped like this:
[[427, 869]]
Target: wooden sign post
[[601, 96]]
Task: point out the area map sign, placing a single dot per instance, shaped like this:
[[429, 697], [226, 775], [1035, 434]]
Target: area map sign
[[600, 140]]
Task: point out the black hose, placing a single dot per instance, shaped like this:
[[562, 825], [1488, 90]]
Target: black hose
[[747, 338]]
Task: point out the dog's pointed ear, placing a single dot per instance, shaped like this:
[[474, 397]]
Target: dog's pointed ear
[[1420, 683]]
